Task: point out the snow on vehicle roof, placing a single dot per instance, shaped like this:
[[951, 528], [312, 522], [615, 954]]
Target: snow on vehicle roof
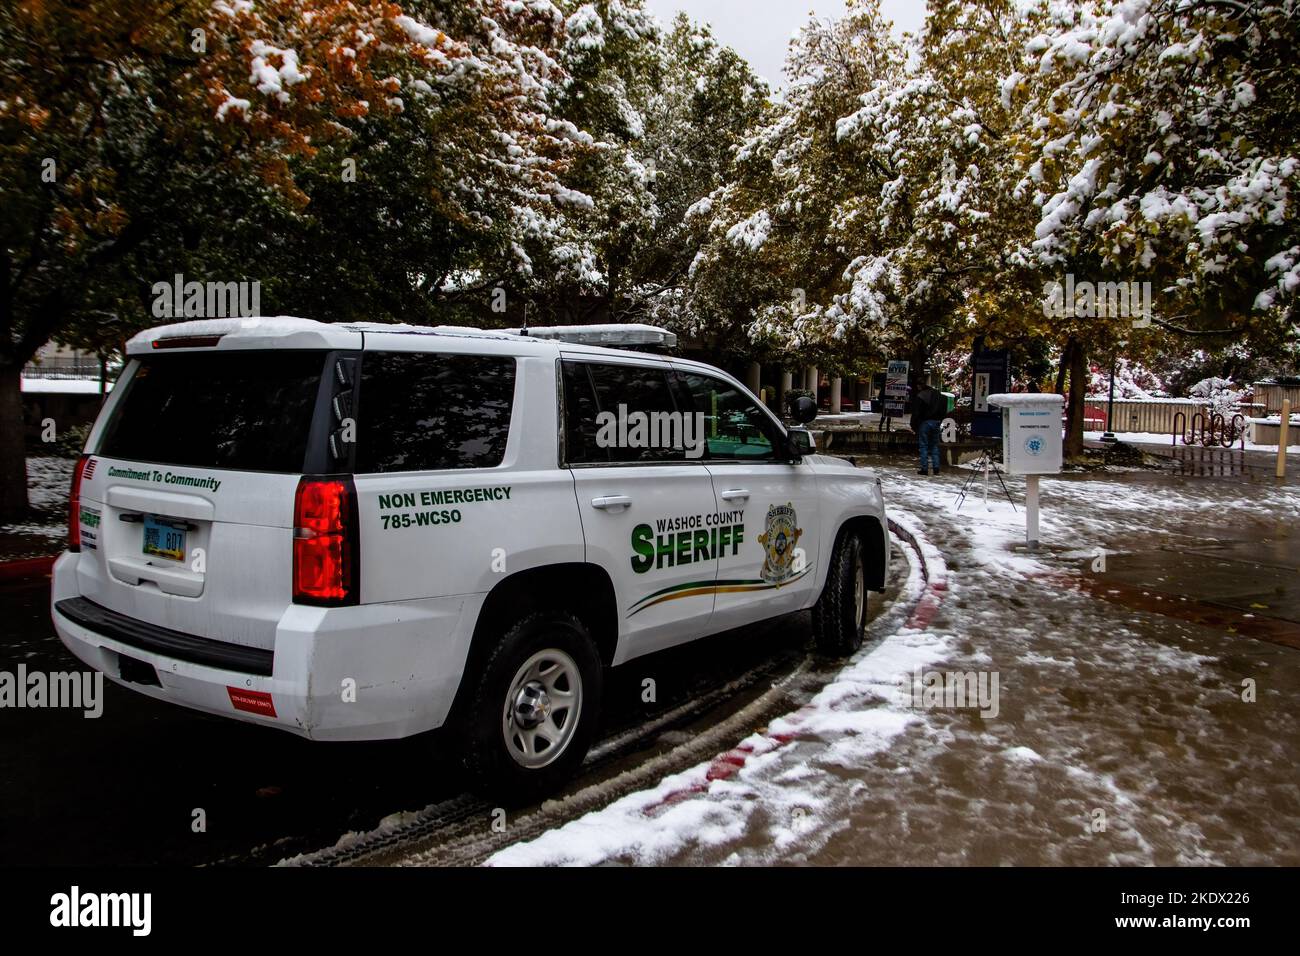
[[404, 328], [1006, 399], [312, 333], [240, 333], [268, 325]]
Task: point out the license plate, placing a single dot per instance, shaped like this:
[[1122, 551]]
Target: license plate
[[163, 540]]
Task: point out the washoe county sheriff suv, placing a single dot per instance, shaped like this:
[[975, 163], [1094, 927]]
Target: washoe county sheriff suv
[[363, 531]]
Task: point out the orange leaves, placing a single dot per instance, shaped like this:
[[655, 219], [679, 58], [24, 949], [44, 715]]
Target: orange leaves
[[306, 61], [32, 115], [352, 110]]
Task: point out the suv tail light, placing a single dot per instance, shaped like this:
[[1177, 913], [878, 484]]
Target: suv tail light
[[325, 542], [74, 505]]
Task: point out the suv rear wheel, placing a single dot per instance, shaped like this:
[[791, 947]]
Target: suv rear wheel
[[534, 708], [840, 614]]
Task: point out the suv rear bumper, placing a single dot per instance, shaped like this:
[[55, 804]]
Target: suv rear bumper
[[368, 672], [164, 641]]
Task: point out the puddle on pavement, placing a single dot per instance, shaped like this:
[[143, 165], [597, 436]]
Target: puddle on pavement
[[1122, 735]]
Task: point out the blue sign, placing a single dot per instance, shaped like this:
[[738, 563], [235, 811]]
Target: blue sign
[[991, 371]]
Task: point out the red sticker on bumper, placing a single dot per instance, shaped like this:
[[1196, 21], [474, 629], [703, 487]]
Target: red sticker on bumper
[[252, 701]]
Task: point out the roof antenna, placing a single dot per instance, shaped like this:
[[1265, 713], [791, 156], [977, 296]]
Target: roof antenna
[[524, 330]]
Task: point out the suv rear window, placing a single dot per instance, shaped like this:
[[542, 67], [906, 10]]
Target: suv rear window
[[425, 411], [243, 410]]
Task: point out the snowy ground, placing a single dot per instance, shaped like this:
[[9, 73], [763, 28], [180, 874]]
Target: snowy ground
[[63, 386], [1154, 438], [48, 481], [1121, 736]]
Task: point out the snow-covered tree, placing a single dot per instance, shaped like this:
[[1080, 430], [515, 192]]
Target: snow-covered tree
[[873, 212], [1160, 144], [777, 238], [1221, 395], [139, 140], [1132, 380]]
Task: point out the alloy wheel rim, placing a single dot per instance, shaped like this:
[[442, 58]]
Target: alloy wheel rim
[[542, 708]]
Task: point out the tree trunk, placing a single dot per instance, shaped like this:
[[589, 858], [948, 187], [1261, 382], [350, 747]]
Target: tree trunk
[[917, 359], [1064, 365], [1074, 408], [13, 452]]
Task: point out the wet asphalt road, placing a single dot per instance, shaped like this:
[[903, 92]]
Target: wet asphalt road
[[1122, 695], [123, 788]]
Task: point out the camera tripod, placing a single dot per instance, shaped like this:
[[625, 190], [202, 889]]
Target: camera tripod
[[986, 464]]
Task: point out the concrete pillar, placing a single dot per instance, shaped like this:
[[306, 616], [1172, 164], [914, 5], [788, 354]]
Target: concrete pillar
[[754, 377], [836, 385], [810, 383], [787, 382]]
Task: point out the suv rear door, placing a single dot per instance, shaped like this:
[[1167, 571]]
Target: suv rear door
[[191, 484], [455, 470]]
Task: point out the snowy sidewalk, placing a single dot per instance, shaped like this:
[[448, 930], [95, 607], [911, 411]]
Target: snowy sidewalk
[[1121, 734], [49, 479]]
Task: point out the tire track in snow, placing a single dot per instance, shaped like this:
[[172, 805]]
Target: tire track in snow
[[456, 832], [715, 802]]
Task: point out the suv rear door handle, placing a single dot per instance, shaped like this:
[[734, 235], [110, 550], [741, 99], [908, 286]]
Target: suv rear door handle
[[735, 494], [611, 502]]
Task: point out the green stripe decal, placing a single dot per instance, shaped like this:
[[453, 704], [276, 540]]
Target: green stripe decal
[[711, 582], [700, 588]]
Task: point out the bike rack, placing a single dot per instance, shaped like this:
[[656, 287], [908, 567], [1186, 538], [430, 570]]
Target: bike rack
[[1234, 433], [1217, 438], [1214, 431]]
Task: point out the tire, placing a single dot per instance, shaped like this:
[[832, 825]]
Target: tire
[[517, 746], [840, 614]]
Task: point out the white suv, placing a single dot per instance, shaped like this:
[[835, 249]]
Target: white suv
[[368, 531]]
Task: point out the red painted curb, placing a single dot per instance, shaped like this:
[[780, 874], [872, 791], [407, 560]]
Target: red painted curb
[[726, 765], [936, 585], [26, 568]]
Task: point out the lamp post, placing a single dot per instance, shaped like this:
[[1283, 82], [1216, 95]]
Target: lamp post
[[1109, 434]]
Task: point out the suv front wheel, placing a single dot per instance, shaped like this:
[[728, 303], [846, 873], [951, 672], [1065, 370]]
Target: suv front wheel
[[840, 614], [534, 708]]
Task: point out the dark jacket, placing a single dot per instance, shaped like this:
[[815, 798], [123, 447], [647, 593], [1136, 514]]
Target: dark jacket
[[928, 405]]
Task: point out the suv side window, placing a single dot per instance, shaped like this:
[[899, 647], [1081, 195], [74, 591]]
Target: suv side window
[[735, 428], [591, 388], [425, 411]]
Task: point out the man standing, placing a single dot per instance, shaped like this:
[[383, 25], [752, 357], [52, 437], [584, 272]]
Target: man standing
[[928, 409]]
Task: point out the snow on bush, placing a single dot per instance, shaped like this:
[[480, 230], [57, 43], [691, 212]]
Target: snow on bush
[[1132, 380], [1220, 394]]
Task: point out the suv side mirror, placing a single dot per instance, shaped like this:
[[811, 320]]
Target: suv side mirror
[[801, 442], [804, 409]]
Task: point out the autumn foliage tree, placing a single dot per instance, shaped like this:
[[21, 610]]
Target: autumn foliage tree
[[407, 161], [141, 140]]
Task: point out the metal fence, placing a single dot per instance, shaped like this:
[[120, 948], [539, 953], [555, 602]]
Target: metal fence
[[1145, 415], [1271, 396], [58, 367]]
